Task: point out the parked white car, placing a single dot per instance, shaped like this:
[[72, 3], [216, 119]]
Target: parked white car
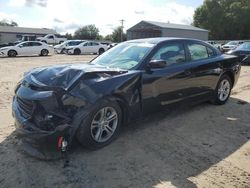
[[89, 47], [52, 39], [27, 48], [60, 48]]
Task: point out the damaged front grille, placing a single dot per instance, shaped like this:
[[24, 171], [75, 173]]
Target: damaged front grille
[[26, 107]]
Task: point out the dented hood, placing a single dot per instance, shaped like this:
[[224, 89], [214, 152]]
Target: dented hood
[[63, 76]]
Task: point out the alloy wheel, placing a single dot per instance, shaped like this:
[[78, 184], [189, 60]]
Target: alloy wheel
[[224, 90], [104, 124]]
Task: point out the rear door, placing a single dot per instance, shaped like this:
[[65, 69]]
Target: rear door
[[203, 69], [86, 48], [36, 47], [94, 47]]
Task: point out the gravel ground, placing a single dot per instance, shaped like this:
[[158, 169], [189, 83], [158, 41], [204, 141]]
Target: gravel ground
[[198, 146]]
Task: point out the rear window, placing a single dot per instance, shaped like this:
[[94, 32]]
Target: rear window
[[198, 52]]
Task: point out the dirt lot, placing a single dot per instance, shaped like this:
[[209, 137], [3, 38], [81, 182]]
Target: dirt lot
[[199, 146]]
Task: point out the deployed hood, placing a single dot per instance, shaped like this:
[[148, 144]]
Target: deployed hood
[[64, 76]]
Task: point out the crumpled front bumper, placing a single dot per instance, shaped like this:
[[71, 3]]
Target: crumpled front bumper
[[36, 142]]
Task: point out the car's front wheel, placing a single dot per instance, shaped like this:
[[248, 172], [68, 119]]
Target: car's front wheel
[[223, 90], [12, 53], [101, 126], [77, 51]]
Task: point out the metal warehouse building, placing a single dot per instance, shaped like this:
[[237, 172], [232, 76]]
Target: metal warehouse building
[[148, 29], [12, 34]]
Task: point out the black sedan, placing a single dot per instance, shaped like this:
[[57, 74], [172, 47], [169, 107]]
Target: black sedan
[[90, 102], [243, 52]]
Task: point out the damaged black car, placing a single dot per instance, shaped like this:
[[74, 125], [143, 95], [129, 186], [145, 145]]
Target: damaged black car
[[92, 101]]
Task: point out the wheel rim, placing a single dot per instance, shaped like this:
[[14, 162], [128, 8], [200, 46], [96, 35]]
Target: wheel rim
[[104, 124], [224, 90], [44, 52], [12, 53]]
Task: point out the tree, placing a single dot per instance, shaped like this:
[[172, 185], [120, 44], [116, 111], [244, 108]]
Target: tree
[[108, 38], [5, 22], [116, 35], [90, 32], [225, 19], [69, 36]]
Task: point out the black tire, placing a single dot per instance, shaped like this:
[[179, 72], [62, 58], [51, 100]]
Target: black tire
[[222, 100], [77, 51], [100, 51], [62, 51], [44, 52], [44, 41], [85, 132], [12, 53]]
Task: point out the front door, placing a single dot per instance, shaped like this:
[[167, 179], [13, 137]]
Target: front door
[[163, 86]]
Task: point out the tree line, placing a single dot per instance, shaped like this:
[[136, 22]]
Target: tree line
[[91, 32], [225, 19]]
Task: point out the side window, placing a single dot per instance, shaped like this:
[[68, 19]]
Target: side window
[[198, 51], [36, 44], [171, 53], [51, 37], [26, 44], [87, 44], [94, 44]]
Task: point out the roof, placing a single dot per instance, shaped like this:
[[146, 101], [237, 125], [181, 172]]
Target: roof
[[25, 30], [159, 40], [173, 26]]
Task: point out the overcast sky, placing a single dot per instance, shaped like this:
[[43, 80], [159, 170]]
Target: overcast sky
[[68, 15]]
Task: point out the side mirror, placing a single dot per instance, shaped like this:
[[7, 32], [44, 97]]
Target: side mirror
[[157, 64]]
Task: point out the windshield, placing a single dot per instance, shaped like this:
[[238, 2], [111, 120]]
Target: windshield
[[124, 56], [244, 46], [232, 43]]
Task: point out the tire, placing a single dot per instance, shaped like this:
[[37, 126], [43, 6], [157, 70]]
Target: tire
[[223, 90], [108, 130], [44, 52], [100, 51], [12, 53], [77, 51], [62, 51], [44, 41]]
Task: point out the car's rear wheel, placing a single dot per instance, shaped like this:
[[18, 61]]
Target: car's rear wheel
[[101, 50], [12, 53], [223, 90], [77, 51], [101, 126], [44, 52]]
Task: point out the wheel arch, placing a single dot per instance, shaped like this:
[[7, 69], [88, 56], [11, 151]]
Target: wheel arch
[[230, 75], [123, 105], [12, 50]]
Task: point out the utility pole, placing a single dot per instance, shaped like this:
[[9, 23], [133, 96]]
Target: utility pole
[[122, 21]]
